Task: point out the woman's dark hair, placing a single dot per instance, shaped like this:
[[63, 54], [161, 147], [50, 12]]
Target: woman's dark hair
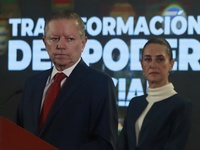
[[161, 41]]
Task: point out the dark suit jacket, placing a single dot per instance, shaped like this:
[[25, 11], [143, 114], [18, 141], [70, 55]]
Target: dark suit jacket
[[84, 115], [165, 127]]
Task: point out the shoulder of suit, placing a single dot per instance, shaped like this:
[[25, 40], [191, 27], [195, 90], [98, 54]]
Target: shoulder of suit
[[40, 75], [181, 99], [138, 99], [98, 73]]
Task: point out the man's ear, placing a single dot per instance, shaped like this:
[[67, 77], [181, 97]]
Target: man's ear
[[84, 41], [44, 40]]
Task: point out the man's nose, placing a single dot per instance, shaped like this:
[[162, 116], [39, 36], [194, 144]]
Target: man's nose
[[61, 44]]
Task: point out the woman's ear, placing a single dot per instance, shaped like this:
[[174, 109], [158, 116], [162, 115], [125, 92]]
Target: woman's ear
[[141, 64], [171, 65]]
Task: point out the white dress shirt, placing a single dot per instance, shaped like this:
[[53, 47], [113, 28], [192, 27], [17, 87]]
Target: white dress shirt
[[50, 80]]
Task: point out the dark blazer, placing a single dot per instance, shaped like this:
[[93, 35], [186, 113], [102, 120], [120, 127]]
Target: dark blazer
[[165, 127], [84, 115]]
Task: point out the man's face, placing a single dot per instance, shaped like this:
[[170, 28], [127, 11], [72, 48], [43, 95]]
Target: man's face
[[63, 42]]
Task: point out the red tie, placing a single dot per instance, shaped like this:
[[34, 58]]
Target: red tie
[[51, 96]]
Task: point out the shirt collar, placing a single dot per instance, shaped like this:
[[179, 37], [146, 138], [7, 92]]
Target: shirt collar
[[67, 71]]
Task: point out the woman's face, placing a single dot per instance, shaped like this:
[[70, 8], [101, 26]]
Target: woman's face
[[156, 65]]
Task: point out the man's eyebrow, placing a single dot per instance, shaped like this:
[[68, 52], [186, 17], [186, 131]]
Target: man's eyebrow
[[159, 55], [147, 55]]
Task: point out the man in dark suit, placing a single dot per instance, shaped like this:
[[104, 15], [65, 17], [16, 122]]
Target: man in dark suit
[[83, 115]]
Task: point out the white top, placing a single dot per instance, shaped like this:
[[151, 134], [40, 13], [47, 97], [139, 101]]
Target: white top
[[154, 95]]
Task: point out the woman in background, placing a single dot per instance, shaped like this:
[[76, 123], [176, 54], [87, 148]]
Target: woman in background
[[160, 119]]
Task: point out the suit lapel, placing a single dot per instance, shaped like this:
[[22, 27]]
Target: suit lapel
[[39, 88], [69, 88]]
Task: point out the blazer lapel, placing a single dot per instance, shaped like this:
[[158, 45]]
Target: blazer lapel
[[139, 104], [141, 133]]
